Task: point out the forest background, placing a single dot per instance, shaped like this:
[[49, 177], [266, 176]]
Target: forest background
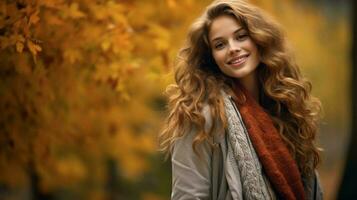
[[82, 91]]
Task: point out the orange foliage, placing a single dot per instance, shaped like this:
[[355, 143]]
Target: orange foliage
[[80, 85]]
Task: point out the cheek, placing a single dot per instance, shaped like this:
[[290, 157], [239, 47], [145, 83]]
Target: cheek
[[254, 48], [218, 57], [257, 56]]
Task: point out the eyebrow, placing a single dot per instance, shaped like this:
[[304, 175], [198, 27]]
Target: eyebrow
[[236, 31]]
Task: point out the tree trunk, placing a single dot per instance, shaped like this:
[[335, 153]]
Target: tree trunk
[[348, 189], [37, 194]]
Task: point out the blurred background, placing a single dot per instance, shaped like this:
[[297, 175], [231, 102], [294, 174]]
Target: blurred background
[[82, 82]]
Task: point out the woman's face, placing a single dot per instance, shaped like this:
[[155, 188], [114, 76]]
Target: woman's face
[[232, 48]]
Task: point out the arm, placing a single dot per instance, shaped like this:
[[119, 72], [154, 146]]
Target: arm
[[191, 174]]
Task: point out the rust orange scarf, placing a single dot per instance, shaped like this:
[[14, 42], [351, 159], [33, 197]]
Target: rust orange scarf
[[278, 164]]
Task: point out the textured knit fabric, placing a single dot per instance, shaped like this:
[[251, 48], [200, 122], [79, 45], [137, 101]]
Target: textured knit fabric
[[254, 185], [215, 175], [273, 153]]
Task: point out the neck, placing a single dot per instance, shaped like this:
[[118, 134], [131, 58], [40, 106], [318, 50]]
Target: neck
[[251, 84]]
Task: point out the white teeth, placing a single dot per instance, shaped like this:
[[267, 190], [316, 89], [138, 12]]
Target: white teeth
[[238, 60]]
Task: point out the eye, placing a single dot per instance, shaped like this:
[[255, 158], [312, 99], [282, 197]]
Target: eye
[[242, 36], [219, 45]]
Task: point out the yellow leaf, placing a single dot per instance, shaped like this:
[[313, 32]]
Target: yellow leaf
[[34, 18], [34, 48], [161, 36], [20, 38], [74, 11], [99, 12], [105, 45], [19, 47], [16, 38]]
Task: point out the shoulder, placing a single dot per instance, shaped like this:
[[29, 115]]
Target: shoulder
[[212, 124]]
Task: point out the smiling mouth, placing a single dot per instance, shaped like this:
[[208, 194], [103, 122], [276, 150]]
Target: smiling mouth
[[238, 60]]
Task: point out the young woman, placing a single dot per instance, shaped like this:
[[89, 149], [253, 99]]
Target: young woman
[[242, 121]]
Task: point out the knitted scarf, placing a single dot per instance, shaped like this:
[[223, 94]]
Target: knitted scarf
[[278, 164]]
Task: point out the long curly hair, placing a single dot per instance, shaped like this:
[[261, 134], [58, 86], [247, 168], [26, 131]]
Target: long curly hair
[[285, 93]]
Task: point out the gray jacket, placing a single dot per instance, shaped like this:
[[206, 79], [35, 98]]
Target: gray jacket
[[212, 175]]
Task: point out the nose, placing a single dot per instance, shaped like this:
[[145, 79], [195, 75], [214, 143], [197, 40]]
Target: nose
[[234, 47]]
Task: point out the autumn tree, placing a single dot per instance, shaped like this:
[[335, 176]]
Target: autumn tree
[[80, 91]]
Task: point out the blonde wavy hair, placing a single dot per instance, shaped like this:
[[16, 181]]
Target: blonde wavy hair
[[286, 95]]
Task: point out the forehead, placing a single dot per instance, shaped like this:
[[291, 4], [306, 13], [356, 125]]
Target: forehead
[[223, 26]]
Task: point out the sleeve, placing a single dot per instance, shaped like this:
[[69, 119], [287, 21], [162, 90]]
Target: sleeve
[[318, 193], [313, 187], [191, 174]]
